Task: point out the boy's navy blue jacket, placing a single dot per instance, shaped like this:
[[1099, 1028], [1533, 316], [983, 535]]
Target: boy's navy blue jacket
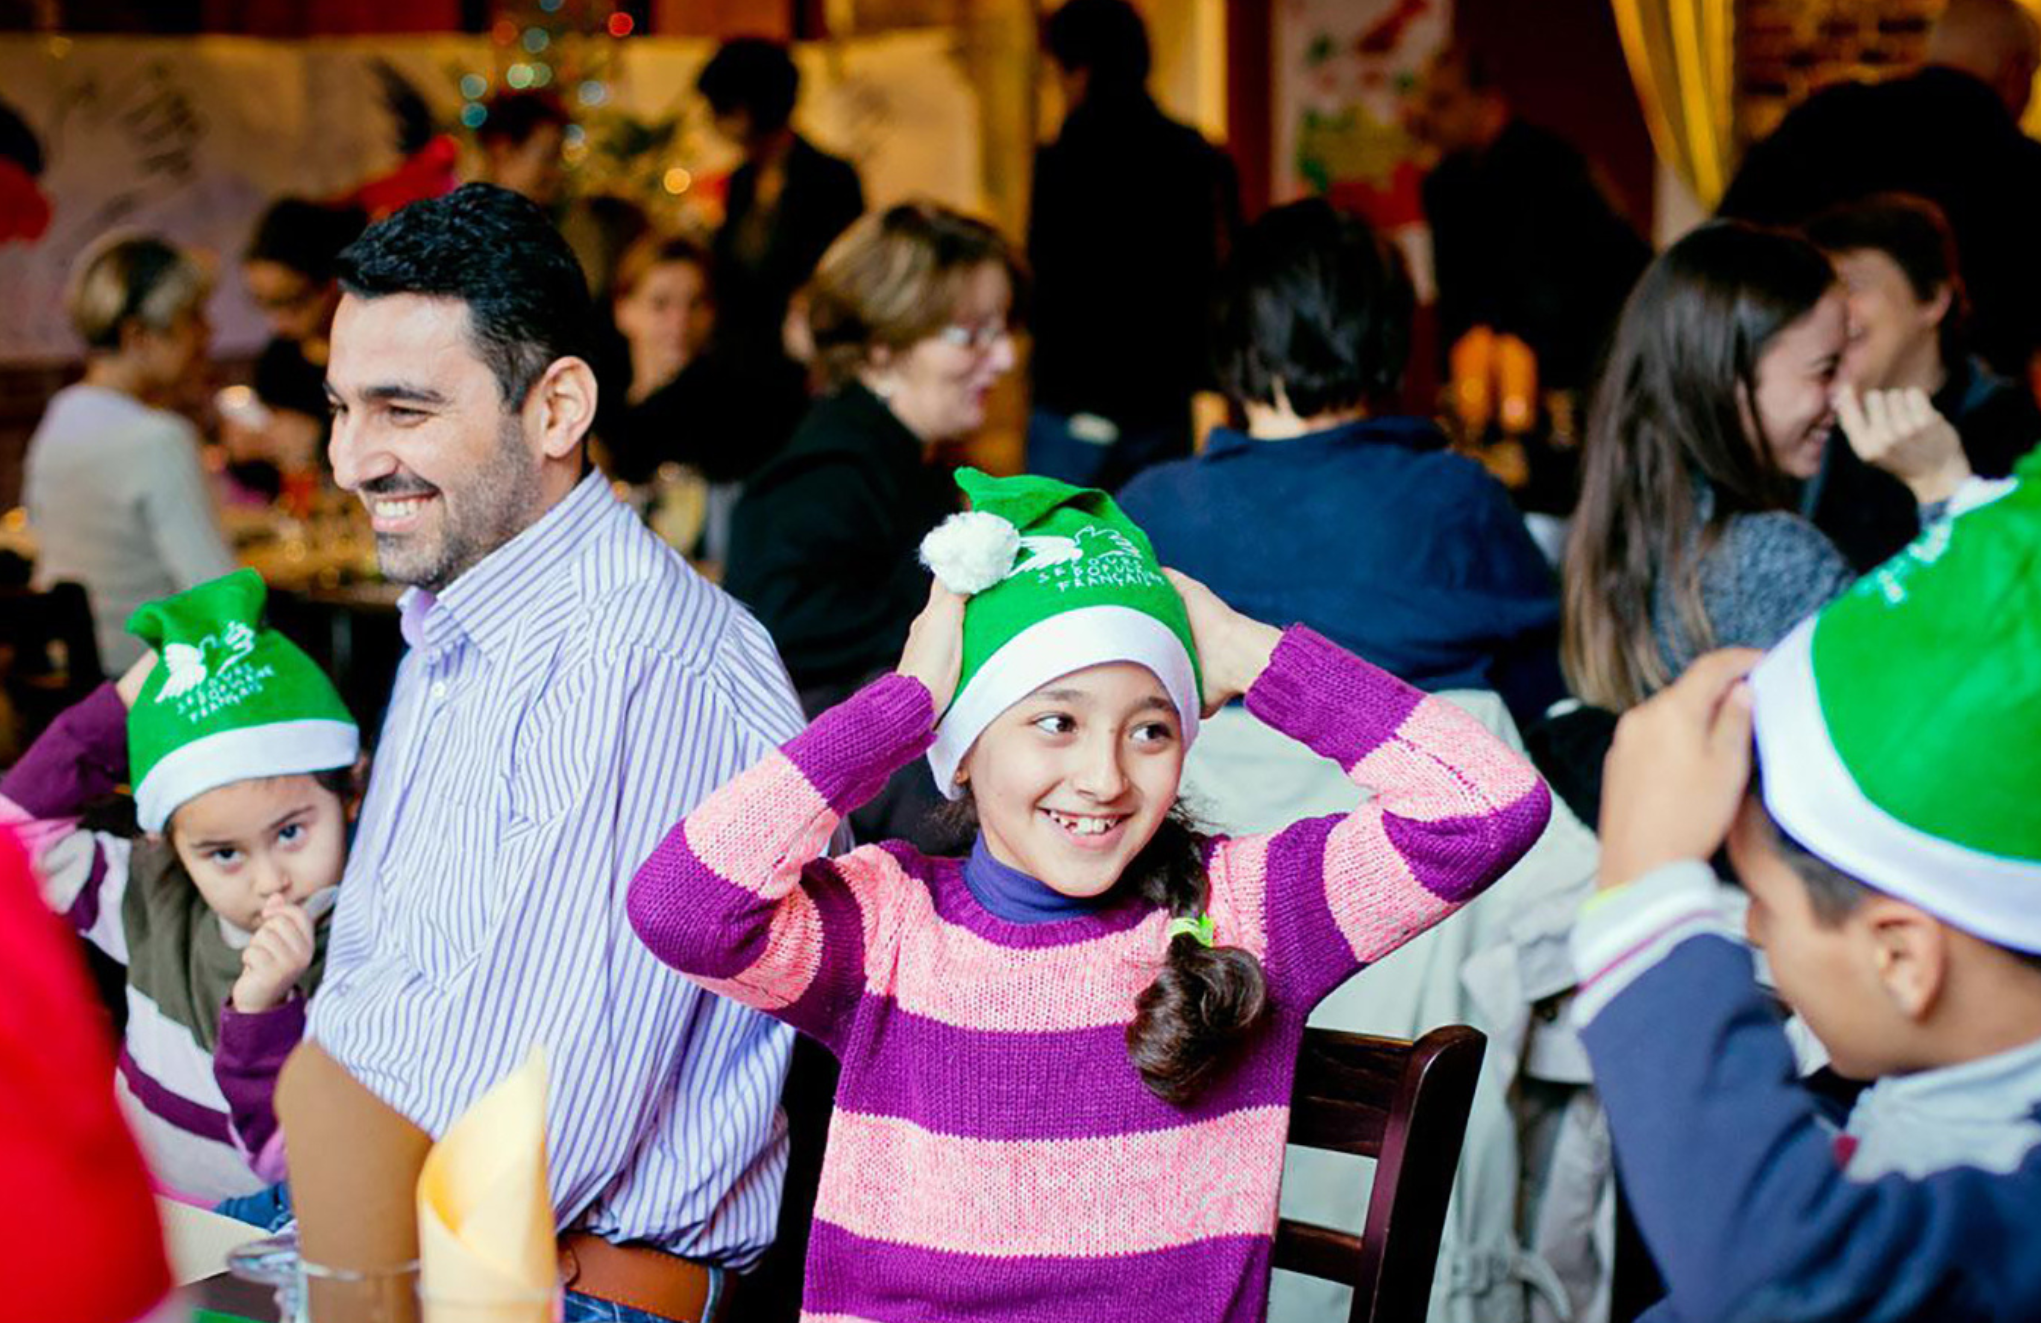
[[1736, 1182], [1376, 536]]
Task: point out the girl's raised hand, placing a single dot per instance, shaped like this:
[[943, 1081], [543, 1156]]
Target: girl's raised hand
[[934, 653], [129, 686], [1900, 431], [1233, 649]]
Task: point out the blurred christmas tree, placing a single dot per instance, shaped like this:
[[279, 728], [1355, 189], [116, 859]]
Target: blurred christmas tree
[[575, 50]]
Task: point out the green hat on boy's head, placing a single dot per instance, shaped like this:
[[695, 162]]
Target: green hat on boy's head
[[1899, 731], [228, 700], [1059, 580]]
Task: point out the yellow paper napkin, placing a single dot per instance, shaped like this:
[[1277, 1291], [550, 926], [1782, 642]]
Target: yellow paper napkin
[[485, 1220]]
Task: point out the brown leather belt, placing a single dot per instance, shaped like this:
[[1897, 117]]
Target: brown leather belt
[[635, 1275]]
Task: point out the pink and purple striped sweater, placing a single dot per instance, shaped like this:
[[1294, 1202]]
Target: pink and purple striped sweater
[[994, 1154]]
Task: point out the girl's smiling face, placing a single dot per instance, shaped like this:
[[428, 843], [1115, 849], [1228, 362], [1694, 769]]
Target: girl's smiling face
[[1071, 782]]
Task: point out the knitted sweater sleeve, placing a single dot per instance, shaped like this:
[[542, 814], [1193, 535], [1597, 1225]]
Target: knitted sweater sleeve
[[80, 758], [739, 897], [1453, 808]]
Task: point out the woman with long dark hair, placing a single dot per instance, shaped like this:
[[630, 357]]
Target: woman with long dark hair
[[1715, 401]]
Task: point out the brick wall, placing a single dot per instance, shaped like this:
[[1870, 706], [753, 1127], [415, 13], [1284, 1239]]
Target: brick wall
[[1786, 49]]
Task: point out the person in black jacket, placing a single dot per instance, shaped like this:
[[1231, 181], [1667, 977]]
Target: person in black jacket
[[787, 202], [910, 314], [1908, 309], [1949, 133], [1133, 216], [1524, 241]]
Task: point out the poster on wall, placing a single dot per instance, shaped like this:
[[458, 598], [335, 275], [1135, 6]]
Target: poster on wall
[[190, 138], [1344, 71]]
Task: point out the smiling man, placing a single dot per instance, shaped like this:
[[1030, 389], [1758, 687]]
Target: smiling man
[[570, 685]]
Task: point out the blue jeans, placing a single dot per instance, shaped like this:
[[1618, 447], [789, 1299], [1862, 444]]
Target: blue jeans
[[269, 1209], [587, 1309]]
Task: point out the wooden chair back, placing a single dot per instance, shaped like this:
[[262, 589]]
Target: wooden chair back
[[1405, 1105], [49, 656]]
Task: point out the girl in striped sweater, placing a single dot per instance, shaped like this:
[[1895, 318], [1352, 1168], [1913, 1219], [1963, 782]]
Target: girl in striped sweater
[[1067, 1057]]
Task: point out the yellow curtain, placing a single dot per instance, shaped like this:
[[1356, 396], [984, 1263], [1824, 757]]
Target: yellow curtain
[[1681, 57]]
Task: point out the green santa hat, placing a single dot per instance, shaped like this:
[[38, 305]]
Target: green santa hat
[[1900, 729], [228, 700], [1059, 580]]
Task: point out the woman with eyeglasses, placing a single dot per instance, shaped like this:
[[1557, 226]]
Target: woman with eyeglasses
[[113, 484], [909, 313]]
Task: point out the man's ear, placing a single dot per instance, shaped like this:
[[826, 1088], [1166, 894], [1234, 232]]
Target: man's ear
[[1910, 953], [561, 406]]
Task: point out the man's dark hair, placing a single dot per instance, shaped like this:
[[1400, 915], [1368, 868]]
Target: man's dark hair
[[305, 237], [513, 117], [1104, 38], [495, 251], [1316, 303], [754, 75], [1912, 232]]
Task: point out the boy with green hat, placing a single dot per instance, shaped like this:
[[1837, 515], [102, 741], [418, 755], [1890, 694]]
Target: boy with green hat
[[1890, 841], [243, 760]]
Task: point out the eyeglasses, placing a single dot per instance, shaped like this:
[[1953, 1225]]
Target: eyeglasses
[[980, 338]]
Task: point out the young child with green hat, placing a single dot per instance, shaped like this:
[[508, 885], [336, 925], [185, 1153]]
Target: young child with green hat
[[243, 760], [1068, 1056], [1889, 837]]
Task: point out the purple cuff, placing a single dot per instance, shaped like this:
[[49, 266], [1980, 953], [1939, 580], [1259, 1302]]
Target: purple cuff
[[1320, 694], [252, 1049], [848, 752], [82, 756]]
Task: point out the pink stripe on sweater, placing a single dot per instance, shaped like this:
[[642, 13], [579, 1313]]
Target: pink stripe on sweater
[[1376, 901], [888, 1179], [734, 831], [953, 975], [1239, 891], [1437, 758], [787, 968]]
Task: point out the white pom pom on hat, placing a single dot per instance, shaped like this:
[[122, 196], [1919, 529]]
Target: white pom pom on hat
[[971, 551]]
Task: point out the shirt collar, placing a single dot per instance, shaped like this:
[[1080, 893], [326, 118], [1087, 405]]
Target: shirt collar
[[1413, 433], [486, 604]]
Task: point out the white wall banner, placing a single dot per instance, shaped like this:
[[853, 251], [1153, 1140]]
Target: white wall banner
[[190, 138]]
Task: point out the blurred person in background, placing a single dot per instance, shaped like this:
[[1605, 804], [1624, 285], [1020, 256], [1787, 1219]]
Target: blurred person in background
[[1948, 132], [1909, 313], [787, 202], [1525, 241], [911, 312], [685, 400], [289, 270], [113, 482], [521, 140], [1328, 512], [1133, 215]]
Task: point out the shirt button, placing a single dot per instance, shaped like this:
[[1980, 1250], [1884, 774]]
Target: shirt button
[[438, 689]]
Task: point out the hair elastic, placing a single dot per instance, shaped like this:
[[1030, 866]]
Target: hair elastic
[[1199, 927]]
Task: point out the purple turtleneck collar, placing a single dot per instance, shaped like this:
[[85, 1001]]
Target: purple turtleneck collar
[[1009, 894]]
